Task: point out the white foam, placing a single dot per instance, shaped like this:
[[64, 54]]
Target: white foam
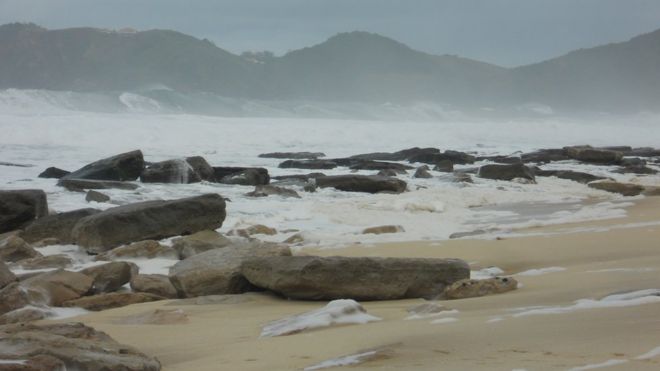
[[431, 315], [609, 363], [624, 270], [13, 361], [486, 273], [540, 271], [352, 359], [650, 354], [336, 312], [444, 320]]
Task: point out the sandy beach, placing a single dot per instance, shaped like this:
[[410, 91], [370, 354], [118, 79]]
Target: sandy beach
[[590, 261]]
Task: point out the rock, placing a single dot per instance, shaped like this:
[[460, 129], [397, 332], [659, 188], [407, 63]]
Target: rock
[[295, 239], [388, 172], [218, 271], [383, 229], [150, 220], [58, 226], [157, 317], [80, 185], [13, 297], [644, 152], [651, 191], [171, 171], [622, 149], [544, 156], [470, 288], [110, 277], [576, 176], [6, 276], [329, 278], [73, 345], [505, 172], [46, 242], [25, 314], [455, 157], [621, 188], [397, 156], [337, 312], [13, 249], [501, 159], [96, 196], [122, 167], [445, 166], [53, 173], [462, 178], [376, 165], [201, 167], [111, 300], [362, 183], [307, 164], [56, 287], [636, 170], [148, 249], [593, 155], [21, 207], [156, 284], [46, 262], [198, 243], [293, 155], [242, 176], [269, 190], [300, 177], [422, 172], [252, 230]]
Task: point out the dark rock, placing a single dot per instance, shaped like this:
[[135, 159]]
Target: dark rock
[[622, 149], [12, 164], [176, 171], [576, 176], [330, 278], [198, 243], [201, 168], [56, 287], [644, 152], [242, 175], [505, 172], [445, 166], [303, 177], [593, 155], [53, 173], [544, 156], [462, 178], [468, 288], [6, 276], [362, 183], [110, 277], [383, 229], [293, 155], [218, 271], [620, 188], [388, 172], [455, 157], [150, 220], [380, 165], [96, 196], [402, 155], [122, 167], [58, 226], [14, 248], [148, 249], [21, 207], [423, 172], [269, 190], [80, 185], [156, 284], [308, 164], [70, 346]]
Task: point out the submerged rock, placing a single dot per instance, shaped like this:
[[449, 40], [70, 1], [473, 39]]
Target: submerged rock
[[402, 155], [328, 278], [96, 196], [506, 172], [18, 208], [545, 156], [252, 230], [362, 183], [293, 155], [575, 176], [150, 220], [445, 166], [470, 288], [422, 172], [122, 167], [269, 190], [308, 164], [201, 167], [80, 185], [624, 189], [455, 157], [46, 262], [157, 317], [56, 287]]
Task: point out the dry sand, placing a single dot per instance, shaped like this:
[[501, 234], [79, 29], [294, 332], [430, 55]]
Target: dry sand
[[225, 336]]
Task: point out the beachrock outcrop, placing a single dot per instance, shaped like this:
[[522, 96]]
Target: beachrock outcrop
[[81, 185], [624, 189], [111, 300], [362, 183], [505, 172], [470, 288], [148, 249], [270, 190], [198, 243], [95, 196], [150, 220], [14, 248], [70, 346], [121, 167], [111, 276], [19, 208], [594, 155], [6, 276], [362, 278], [293, 155], [253, 176], [575, 176], [308, 164], [219, 271], [176, 171], [57, 225], [53, 173], [156, 284]]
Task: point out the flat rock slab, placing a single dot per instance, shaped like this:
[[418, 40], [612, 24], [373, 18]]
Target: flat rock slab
[[150, 220], [330, 278], [363, 183], [20, 207]]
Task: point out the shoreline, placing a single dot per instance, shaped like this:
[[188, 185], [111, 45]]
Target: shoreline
[[600, 260]]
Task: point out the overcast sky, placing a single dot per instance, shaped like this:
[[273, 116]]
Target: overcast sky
[[504, 32]]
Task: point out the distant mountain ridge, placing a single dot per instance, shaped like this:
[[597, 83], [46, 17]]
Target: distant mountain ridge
[[354, 66]]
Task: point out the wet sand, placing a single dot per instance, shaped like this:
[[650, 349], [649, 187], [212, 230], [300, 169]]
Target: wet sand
[[486, 335]]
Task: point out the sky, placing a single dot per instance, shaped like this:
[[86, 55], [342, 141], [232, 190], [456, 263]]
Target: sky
[[504, 32]]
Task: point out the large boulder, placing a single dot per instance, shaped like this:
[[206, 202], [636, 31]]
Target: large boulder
[[362, 183], [198, 243], [111, 276], [575, 176], [111, 300], [57, 225], [124, 166], [80, 185], [594, 155], [6, 276], [241, 175], [70, 346], [156, 284], [150, 220], [170, 171], [624, 189], [56, 287], [218, 271], [308, 164], [330, 278], [505, 172], [293, 155], [21, 207], [14, 248], [53, 173]]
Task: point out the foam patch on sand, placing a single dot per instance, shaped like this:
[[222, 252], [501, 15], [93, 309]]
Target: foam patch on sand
[[349, 360], [624, 270], [431, 315], [540, 271], [486, 273], [655, 352], [336, 312], [608, 363], [444, 320]]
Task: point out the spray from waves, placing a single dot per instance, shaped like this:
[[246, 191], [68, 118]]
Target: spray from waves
[[139, 104]]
